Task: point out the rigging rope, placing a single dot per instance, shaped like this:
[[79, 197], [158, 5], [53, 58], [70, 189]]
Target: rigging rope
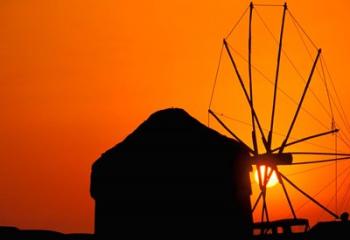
[[279, 89], [345, 119], [237, 23], [348, 200], [216, 76], [341, 117], [269, 5], [274, 132], [323, 188], [321, 74], [343, 140], [310, 169], [327, 91], [302, 29], [341, 185], [291, 62], [345, 199]]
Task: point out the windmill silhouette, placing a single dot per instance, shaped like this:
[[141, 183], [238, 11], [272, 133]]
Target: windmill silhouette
[[269, 156]]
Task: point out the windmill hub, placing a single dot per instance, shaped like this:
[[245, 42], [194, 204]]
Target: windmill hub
[[272, 159]]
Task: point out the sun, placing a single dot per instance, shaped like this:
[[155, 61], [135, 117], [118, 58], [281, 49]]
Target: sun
[[273, 179]]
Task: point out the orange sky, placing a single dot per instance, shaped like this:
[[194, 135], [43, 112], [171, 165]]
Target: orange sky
[[77, 76]]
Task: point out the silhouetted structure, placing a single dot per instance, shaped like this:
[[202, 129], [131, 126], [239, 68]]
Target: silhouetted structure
[[173, 177], [283, 229], [330, 230], [13, 233]]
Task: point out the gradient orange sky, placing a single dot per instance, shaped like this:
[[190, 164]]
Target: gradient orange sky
[[77, 76]]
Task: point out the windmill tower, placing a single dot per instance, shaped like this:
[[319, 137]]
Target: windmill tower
[[173, 177]]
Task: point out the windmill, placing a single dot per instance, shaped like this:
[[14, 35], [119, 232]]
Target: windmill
[[269, 156]]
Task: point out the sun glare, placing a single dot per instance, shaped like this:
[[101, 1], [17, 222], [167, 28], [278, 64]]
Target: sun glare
[[273, 179]]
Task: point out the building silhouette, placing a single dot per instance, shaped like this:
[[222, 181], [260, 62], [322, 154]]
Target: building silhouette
[[172, 177]]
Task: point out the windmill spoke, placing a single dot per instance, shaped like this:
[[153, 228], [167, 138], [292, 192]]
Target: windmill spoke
[[265, 209], [232, 133], [246, 94], [276, 76], [269, 174], [251, 6], [309, 197], [322, 161], [279, 175], [301, 102], [257, 202], [307, 138], [320, 153], [264, 192]]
